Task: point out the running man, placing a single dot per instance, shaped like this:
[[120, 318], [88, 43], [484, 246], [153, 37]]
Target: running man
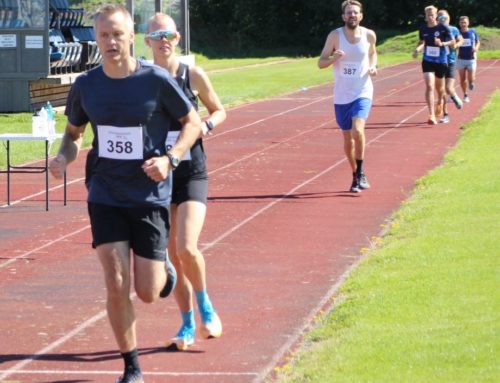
[[433, 40], [351, 50], [467, 56], [190, 187], [444, 18], [131, 106]]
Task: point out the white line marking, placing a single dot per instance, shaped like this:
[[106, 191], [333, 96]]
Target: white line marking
[[152, 373], [50, 243]]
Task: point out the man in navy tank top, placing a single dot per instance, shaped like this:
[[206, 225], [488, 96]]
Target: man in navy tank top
[[351, 51], [131, 106]]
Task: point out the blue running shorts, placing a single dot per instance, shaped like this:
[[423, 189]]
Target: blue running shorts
[[359, 108]]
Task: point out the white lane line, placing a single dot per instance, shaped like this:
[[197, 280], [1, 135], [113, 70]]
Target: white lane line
[[152, 373], [50, 243]]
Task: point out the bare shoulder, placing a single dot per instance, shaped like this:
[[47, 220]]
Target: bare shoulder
[[198, 77], [371, 35], [196, 72]]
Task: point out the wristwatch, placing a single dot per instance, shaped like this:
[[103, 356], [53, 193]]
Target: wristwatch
[[209, 124], [174, 161]]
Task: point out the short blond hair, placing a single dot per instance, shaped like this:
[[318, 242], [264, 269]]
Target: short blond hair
[[159, 17], [430, 8], [110, 9]]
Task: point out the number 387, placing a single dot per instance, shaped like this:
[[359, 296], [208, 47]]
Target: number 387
[[349, 71]]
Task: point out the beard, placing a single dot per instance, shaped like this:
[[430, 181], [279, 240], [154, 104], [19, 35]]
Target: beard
[[351, 24]]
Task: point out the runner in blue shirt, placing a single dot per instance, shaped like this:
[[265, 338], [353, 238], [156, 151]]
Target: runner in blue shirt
[[444, 18], [131, 106], [433, 40], [467, 53]]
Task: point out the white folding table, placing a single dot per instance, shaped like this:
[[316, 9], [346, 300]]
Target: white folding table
[[28, 168]]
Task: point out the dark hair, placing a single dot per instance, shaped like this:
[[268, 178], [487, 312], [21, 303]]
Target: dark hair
[[351, 2]]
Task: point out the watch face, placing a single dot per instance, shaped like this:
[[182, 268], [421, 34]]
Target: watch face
[[174, 161]]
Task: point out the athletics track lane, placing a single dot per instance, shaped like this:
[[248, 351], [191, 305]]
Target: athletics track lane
[[281, 231]]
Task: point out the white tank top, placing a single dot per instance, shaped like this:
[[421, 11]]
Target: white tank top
[[352, 80]]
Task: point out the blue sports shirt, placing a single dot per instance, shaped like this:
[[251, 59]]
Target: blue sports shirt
[[149, 100], [432, 52], [465, 52]]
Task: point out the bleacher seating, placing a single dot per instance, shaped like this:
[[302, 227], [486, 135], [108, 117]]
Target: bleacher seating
[[71, 53], [61, 15], [9, 14], [91, 56]]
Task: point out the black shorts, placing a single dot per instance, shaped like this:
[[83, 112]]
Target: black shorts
[[438, 69], [450, 71], [145, 228], [190, 189]]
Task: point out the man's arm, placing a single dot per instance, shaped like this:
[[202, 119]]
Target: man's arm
[[330, 53], [157, 168], [190, 132], [68, 151], [372, 53], [419, 48]]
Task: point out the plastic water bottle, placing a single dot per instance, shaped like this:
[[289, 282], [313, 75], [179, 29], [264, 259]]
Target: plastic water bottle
[[50, 111]]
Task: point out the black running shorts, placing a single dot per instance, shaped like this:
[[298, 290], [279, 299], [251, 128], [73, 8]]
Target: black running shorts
[[438, 69], [145, 228], [190, 189]]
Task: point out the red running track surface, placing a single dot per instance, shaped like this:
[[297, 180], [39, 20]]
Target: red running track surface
[[280, 234]]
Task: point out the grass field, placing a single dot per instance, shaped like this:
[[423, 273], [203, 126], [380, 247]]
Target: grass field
[[424, 306]]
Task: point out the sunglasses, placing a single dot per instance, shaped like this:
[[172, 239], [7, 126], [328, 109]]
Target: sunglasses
[[165, 34]]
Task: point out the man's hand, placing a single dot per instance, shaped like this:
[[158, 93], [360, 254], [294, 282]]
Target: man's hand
[[372, 71], [157, 168], [337, 54], [57, 166]]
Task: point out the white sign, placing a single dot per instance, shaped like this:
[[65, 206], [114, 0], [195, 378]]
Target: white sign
[[8, 41], [33, 42]]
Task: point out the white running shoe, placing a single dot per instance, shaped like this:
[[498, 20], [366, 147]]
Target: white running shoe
[[211, 329]]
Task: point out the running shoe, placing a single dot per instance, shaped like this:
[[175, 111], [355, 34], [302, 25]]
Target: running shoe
[[131, 377], [466, 99], [171, 279], [458, 103], [431, 120], [184, 338], [363, 182], [444, 120], [211, 327], [438, 110], [472, 86], [355, 188]]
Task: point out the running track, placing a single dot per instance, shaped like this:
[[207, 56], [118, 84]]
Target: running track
[[281, 233]]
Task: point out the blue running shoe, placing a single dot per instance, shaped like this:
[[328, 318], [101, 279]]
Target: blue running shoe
[[184, 338], [171, 279]]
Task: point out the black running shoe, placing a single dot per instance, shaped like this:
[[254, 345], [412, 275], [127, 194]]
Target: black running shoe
[[171, 279], [363, 182], [133, 376], [355, 185]]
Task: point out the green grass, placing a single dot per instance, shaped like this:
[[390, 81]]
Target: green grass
[[425, 305]]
